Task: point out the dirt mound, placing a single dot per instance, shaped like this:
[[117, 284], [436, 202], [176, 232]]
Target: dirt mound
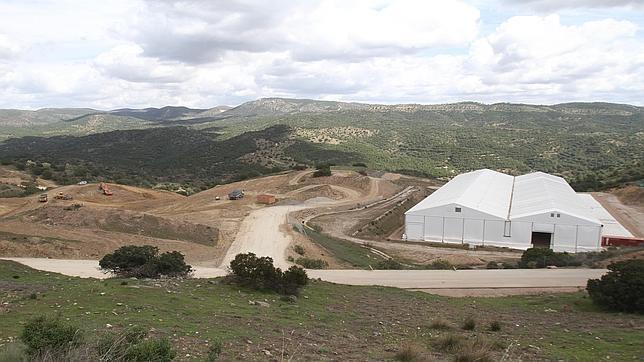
[[318, 191], [123, 221], [121, 194], [631, 195], [353, 181]]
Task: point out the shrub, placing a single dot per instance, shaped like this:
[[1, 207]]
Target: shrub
[[440, 264], [214, 351], [472, 352], [542, 257], [299, 249], [621, 289], [495, 326], [359, 164], [322, 170], [389, 264], [448, 342], [114, 346], [45, 335], [144, 261], [158, 350], [469, 324], [492, 265], [440, 324], [312, 263], [293, 279], [409, 353], [508, 266], [259, 273]]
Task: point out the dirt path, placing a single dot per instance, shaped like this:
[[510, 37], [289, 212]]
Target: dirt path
[[261, 233], [630, 216], [444, 282]]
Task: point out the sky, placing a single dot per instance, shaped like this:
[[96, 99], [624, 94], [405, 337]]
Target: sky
[[203, 53]]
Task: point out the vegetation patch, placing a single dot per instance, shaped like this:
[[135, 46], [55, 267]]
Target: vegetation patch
[[346, 251], [621, 289], [260, 274], [145, 262]]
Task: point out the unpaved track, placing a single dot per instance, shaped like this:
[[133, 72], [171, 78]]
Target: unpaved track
[[444, 282], [262, 233]]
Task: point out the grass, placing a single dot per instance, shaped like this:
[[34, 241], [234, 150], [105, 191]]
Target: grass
[[345, 251], [328, 321]]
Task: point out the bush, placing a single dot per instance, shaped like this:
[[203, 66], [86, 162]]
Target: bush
[[389, 264], [114, 347], [508, 266], [214, 351], [440, 264], [259, 273], [312, 263], [495, 326], [440, 324], [409, 353], [144, 262], [299, 249], [158, 350], [448, 342], [492, 265], [44, 335], [469, 324], [621, 289], [542, 257], [322, 170]]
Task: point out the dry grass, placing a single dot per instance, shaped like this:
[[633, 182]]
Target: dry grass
[[410, 352], [449, 343], [495, 326], [475, 351], [440, 324]]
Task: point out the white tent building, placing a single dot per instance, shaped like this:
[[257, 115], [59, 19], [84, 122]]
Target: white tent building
[[486, 207]]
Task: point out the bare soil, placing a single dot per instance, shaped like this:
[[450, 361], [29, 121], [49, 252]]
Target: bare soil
[[630, 215]]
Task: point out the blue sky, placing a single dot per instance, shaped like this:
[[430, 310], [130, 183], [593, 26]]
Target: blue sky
[[198, 53]]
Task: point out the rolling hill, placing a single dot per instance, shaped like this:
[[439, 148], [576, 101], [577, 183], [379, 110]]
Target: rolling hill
[[593, 145]]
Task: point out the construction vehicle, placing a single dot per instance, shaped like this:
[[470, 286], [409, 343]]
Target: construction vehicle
[[236, 195], [42, 198], [106, 190], [62, 196]]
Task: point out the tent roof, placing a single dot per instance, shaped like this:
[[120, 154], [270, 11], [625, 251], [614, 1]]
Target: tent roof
[[509, 197], [538, 193], [483, 190]]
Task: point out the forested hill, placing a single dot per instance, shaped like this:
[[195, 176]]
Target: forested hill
[[593, 145]]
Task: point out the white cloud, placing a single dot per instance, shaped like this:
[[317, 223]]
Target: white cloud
[[203, 53]]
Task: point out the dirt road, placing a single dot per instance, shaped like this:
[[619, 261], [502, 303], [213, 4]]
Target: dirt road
[[630, 216], [443, 282], [263, 233]]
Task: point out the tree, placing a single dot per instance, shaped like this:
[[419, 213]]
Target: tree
[[144, 261], [621, 289]]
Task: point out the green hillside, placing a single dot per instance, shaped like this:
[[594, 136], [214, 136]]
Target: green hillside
[[593, 145]]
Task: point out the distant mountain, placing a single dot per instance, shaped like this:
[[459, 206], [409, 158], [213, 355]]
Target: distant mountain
[[583, 142], [159, 114], [22, 118]]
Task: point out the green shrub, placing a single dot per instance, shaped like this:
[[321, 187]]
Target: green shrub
[[469, 324], [312, 263], [144, 262], [492, 265], [158, 350], [495, 326], [114, 346], [259, 273], [214, 351], [542, 257], [322, 170], [448, 342], [621, 289], [299, 249], [506, 265], [45, 335], [440, 264], [388, 264]]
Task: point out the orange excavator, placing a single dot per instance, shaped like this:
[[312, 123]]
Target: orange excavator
[[103, 187]]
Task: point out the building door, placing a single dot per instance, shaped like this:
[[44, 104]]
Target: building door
[[541, 240]]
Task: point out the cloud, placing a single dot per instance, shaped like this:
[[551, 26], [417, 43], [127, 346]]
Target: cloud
[[202, 31], [552, 5], [8, 49]]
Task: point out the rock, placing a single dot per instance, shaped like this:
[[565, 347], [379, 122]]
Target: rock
[[267, 352], [108, 325]]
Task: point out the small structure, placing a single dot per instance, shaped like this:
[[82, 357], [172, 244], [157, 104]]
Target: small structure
[[236, 195], [42, 198], [266, 199]]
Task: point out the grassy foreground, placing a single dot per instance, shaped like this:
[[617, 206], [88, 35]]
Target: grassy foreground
[[327, 322]]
